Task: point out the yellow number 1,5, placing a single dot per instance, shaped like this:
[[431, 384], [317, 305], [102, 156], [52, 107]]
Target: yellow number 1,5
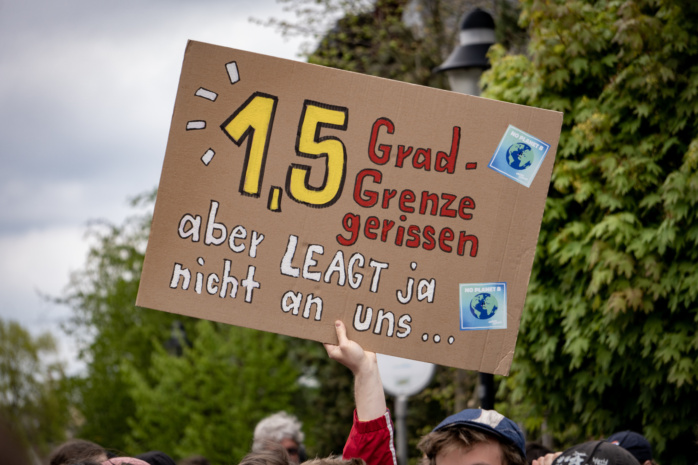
[[255, 117]]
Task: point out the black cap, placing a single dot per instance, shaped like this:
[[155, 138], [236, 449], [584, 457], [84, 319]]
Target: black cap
[[596, 453]]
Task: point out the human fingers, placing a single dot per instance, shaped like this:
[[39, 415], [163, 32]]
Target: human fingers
[[341, 332], [547, 459]]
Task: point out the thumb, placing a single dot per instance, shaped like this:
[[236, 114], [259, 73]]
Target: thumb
[[341, 332]]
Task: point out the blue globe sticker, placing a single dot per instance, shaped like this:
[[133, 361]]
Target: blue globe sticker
[[483, 306], [519, 156]]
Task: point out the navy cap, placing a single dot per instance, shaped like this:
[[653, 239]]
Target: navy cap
[[155, 457], [595, 453], [488, 421], [634, 443]]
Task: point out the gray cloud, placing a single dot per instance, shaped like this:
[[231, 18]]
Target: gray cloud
[[86, 98]]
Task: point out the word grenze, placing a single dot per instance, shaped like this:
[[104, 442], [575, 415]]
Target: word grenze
[[407, 201]]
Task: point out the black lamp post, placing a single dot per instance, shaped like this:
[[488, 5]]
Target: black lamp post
[[464, 66]]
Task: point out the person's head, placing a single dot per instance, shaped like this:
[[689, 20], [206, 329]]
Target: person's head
[[634, 443], [283, 429], [535, 450], [194, 460], [76, 451], [155, 457], [594, 453], [124, 461], [474, 436], [335, 460], [270, 453]]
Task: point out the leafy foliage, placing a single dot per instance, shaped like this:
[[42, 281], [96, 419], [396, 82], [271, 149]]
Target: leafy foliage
[[33, 389], [378, 42], [608, 337], [110, 329], [155, 380], [208, 400]]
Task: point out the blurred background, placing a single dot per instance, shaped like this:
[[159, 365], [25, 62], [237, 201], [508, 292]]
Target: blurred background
[[608, 337]]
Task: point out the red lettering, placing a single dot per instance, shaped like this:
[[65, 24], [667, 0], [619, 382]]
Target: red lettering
[[408, 235], [387, 226], [352, 224], [413, 232], [371, 196], [446, 162], [400, 235], [429, 242], [466, 203], [422, 159], [445, 211], [371, 223], [445, 236], [429, 197], [463, 239], [387, 195], [402, 154], [375, 158], [406, 196]]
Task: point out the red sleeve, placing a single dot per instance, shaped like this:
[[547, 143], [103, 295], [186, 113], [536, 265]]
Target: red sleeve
[[372, 441]]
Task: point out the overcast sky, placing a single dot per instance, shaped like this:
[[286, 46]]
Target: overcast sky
[[87, 89]]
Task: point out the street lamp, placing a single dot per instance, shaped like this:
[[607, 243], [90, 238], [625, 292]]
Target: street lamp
[[464, 66]]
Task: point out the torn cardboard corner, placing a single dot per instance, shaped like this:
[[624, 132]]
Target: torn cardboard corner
[[293, 195]]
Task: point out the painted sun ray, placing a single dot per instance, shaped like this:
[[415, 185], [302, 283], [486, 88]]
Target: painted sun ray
[[233, 73], [207, 94], [196, 124], [208, 156]]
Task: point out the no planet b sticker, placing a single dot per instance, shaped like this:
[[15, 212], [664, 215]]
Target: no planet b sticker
[[483, 306], [519, 155]]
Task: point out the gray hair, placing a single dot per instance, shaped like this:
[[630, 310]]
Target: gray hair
[[275, 428]]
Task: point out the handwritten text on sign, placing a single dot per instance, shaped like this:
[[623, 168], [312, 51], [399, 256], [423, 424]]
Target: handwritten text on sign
[[293, 195]]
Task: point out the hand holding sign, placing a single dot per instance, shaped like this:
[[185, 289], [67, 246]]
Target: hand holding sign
[[294, 195], [368, 388]]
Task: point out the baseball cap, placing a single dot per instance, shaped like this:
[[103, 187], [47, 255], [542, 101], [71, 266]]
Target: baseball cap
[[491, 422], [596, 453], [635, 443]]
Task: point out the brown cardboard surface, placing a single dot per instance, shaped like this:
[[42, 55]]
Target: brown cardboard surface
[[292, 109]]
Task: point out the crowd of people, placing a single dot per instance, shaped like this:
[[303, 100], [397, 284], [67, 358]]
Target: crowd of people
[[469, 437]]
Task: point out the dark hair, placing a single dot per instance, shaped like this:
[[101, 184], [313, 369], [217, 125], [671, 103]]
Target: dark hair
[[76, 451], [458, 436], [535, 450], [194, 460]]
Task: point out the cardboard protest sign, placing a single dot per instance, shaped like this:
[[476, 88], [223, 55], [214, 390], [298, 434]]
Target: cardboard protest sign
[[293, 195]]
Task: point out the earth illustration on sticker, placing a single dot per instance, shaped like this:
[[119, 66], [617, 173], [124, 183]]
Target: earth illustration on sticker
[[483, 306], [519, 156]]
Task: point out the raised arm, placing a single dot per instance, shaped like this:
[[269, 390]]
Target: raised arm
[[371, 437], [368, 387]]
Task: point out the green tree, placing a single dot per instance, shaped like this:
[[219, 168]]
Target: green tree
[[208, 400], [109, 328], [377, 41], [155, 379], [608, 338], [33, 389], [394, 39]]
